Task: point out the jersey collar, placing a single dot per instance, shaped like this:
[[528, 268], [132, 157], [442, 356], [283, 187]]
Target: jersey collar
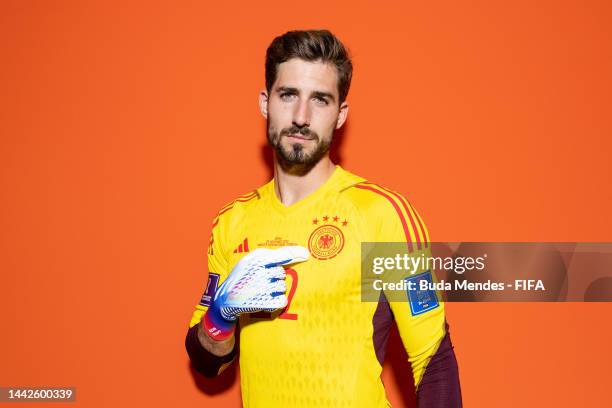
[[338, 181]]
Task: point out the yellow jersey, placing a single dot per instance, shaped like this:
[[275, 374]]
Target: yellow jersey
[[326, 347]]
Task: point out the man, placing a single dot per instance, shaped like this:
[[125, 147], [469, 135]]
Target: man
[[316, 343]]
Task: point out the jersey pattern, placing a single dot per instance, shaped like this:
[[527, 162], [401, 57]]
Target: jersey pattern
[[327, 346]]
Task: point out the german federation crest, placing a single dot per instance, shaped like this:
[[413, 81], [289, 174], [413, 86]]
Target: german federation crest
[[326, 241]]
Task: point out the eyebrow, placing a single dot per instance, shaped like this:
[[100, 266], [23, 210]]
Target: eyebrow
[[319, 94]]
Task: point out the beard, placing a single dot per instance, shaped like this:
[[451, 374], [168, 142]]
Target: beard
[[294, 158]]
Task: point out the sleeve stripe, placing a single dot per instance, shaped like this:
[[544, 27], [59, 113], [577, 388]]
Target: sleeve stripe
[[423, 227], [397, 209], [412, 214], [238, 200], [210, 244], [242, 198]]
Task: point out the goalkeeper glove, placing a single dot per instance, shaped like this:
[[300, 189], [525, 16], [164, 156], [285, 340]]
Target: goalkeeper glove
[[257, 283]]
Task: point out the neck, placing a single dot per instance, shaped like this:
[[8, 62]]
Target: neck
[[290, 186]]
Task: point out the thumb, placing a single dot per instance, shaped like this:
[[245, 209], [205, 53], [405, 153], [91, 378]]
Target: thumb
[[286, 255]]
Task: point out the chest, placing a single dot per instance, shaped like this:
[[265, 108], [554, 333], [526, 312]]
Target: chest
[[332, 232]]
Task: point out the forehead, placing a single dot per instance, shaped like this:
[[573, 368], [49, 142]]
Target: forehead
[[307, 76]]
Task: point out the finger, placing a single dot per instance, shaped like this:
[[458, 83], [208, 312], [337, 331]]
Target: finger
[[275, 303], [255, 254], [278, 288], [275, 273], [286, 255]]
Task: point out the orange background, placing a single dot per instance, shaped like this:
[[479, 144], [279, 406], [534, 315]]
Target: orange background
[[125, 127]]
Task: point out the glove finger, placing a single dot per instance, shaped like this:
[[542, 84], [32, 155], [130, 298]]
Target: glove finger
[[286, 255], [254, 258], [251, 297], [278, 288], [265, 302], [275, 273], [276, 303]]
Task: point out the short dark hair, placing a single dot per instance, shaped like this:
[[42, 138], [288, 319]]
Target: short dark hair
[[310, 45]]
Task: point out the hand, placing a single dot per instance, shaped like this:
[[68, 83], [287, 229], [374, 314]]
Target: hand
[[257, 283]]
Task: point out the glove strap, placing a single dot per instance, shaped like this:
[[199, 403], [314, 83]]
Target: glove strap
[[216, 326]]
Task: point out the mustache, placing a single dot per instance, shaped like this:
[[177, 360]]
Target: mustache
[[304, 131]]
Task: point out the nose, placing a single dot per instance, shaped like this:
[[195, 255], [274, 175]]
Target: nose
[[301, 115]]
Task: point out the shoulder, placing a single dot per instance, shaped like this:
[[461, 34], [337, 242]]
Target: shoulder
[[388, 209], [375, 198], [236, 208], [370, 197]]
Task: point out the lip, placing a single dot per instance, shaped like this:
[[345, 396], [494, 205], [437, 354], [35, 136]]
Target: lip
[[299, 137]]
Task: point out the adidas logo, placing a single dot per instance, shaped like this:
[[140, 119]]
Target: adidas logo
[[243, 247]]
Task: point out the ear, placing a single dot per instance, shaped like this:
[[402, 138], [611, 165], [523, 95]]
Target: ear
[[342, 115], [263, 103]]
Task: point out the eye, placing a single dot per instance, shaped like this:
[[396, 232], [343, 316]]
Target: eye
[[320, 100], [287, 96]]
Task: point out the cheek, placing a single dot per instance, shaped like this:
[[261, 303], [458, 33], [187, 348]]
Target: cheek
[[326, 124], [279, 115]]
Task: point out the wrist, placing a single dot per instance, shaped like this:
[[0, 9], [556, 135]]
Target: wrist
[[215, 326]]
